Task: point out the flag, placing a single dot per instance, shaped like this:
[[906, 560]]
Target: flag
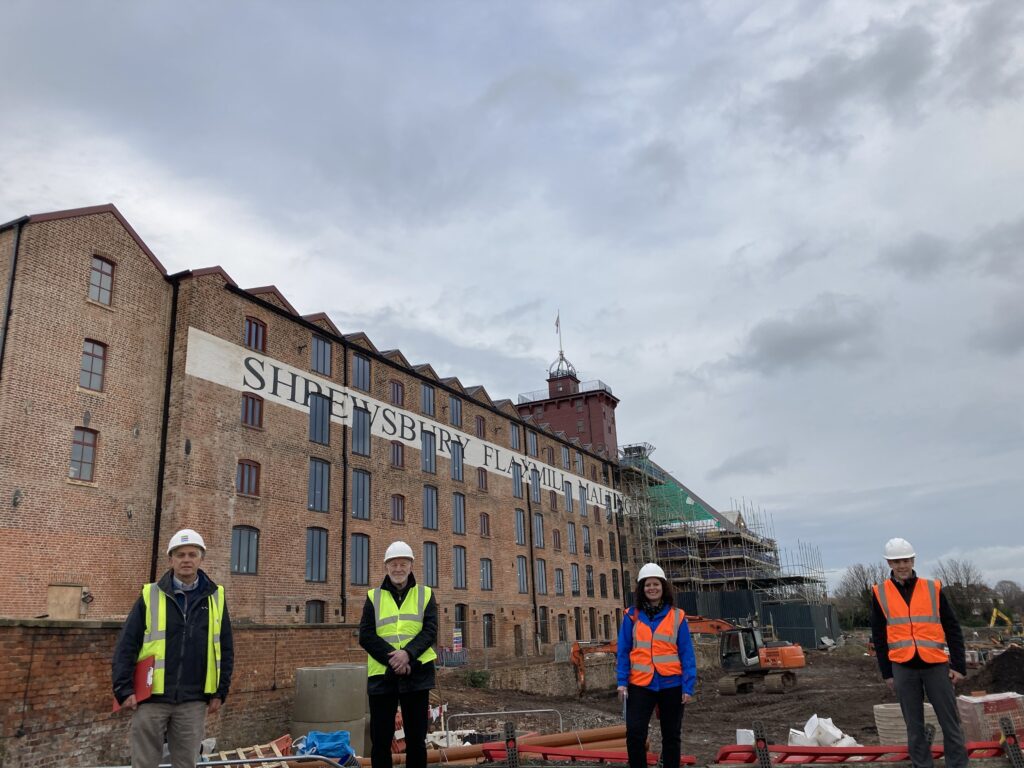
[[558, 323]]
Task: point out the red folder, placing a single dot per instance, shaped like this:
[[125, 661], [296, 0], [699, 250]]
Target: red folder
[[143, 681]]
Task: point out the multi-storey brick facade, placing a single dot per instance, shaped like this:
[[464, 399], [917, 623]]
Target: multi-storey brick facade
[[299, 452]]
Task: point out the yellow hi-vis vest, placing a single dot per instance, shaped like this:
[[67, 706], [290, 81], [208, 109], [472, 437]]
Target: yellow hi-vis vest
[[398, 625], [154, 642]]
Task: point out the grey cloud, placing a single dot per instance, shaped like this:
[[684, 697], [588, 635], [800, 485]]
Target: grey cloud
[[813, 105], [791, 259], [985, 65], [764, 460], [830, 329], [1000, 249], [920, 256], [993, 428], [1004, 335]]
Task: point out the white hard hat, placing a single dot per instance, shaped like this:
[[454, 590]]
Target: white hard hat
[[649, 570], [186, 537], [398, 549], [898, 549]]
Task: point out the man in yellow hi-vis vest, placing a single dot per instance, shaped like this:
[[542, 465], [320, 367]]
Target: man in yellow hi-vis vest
[[179, 627], [398, 630]]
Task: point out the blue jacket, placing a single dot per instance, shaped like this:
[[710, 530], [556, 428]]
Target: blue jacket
[[688, 680]]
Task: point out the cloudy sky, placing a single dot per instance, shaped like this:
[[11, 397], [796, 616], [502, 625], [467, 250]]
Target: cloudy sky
[[789, 235]]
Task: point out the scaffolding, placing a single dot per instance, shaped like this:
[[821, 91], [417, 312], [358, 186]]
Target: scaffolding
[[702, 549]]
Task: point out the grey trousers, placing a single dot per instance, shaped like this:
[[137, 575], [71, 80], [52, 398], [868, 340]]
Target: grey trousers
[[183, 726], [911, 686]]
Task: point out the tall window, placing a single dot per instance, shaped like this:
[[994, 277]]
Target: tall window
[[488, 630], [101, 280], [556, 539], [397, 508], [361, 372], [571, 530], [583, 501], [244, 549], [315, 611], [458, 513], [485, 525], [522, 576], [520, 527], [360, 559], [603, 582], [459, 567], [540, 576], [360, 494], [456, 449], [574, 579], [615, 583], [247, 478], [559, 581], [397, 393], [462, 622], [538, 530], [360, 431], [611, 546], [319, 489], [563, 628], [486, 574], [252, 410], [590, 581], [514, 436], [567, 488], [430, 563], [565, 457], [430, 507], [427, 399], [455, 406], [316, 554], [397, 454], [535, 486], [531, 442], [579, 463], [428, 456], [320, 419], [553, 500], [83, 454], [481, 427], [321, 353], [600, 548], [255, 334], [517, 481], [586, 540], [94, 359], [543, 621], [481, 478]]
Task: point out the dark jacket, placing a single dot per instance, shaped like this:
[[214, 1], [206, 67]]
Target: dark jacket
[[950, 626], [421, 678], [187, 638]]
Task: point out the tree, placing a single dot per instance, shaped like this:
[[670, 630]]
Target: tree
[[965, 588], [1012, 596], [854, 592]]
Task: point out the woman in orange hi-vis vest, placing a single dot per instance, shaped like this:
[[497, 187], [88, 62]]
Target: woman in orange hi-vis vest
[[920, 649], [656, 667]]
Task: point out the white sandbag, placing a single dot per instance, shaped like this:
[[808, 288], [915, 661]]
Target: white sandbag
[[826, 734], [846, 741], [744, 736], [810, 727], [800, 739]]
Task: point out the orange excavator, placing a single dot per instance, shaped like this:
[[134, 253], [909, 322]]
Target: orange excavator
[[699, 625], [747, 659]]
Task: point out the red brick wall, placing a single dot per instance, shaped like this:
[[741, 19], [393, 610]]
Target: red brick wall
[[55, 695]]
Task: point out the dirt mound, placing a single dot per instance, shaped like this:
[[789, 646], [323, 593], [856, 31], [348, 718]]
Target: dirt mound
[[1004, 672]]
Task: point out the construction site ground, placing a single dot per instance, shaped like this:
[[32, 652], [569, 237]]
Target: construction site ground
[[843, 684]]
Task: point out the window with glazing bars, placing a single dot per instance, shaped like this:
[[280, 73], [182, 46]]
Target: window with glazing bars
[[430, 563], [486, 574], [94, 360], [361, 431], [361, 372], [428, 452], [83, 454], [455, 406], [522, 576], [427, 399], [360, 559], [244, 549], [318, 493], [456, 450], [458, 513], [397, 508], [247, 478], [252, 410], [360, 494], [101, 280], [520, 527], [255, 334], [538, 530], [321, 354], [459, 567], [316, 554], [319, 419], [430, 507]]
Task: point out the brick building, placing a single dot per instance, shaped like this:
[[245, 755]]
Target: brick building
[[134, 403]]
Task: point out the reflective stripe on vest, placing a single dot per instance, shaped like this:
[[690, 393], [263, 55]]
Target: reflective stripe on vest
[[916, 627], [657, 650], [154, 640], [397, 625]]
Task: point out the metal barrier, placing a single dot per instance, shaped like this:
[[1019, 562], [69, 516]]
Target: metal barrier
[[449, 658], [507, 712], [257, 760]]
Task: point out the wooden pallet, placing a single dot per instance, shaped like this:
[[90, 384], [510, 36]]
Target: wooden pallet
[[279, 747]]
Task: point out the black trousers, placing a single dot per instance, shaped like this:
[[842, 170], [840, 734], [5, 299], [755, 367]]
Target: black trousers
[[911, 686], [639, 708], [382, 727]]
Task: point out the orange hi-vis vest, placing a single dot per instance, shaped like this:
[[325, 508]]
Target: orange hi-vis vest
[[657, 650], [915, 627]]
